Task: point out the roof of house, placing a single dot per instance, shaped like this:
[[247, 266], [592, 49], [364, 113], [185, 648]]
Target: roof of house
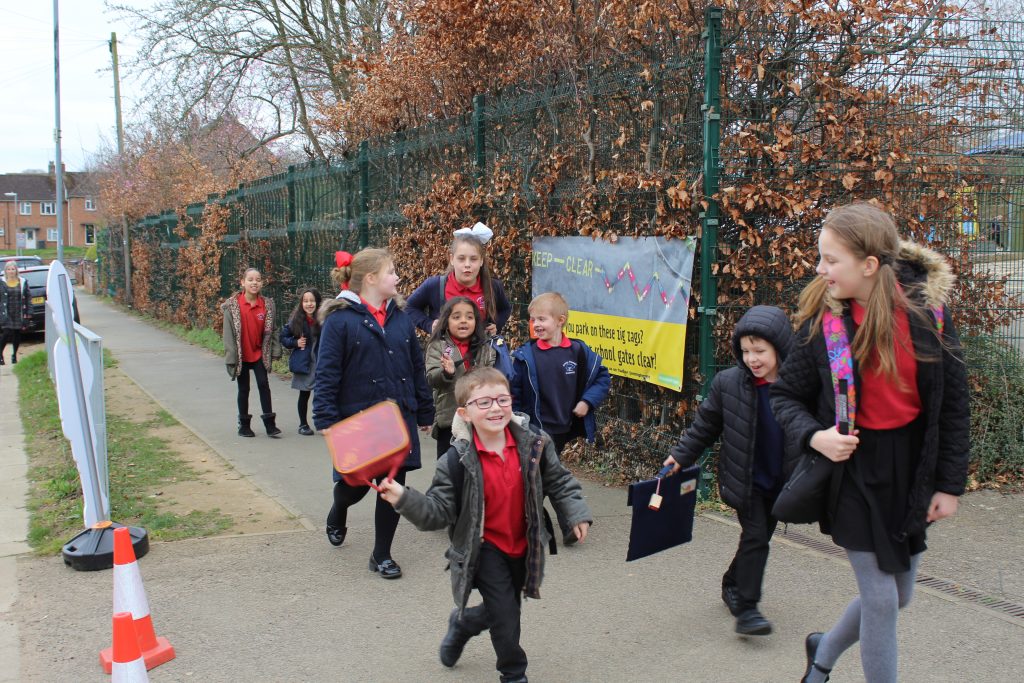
[[41, 187], [1007, 143]]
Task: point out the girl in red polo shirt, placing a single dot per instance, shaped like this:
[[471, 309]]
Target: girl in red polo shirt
[[457, 345], [250, 344], [468, 275], [903, 463]]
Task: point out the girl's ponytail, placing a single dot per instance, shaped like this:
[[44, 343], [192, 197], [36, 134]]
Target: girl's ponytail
[[341, 274]]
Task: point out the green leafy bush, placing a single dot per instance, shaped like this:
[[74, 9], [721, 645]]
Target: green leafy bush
[[997, 411]]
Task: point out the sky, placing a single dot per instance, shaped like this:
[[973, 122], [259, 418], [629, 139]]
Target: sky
[[87, 84]]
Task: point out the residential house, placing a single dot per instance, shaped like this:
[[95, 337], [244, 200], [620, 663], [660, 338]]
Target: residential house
[[28, 206]]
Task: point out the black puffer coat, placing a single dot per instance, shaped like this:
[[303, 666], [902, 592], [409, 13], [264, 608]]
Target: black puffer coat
[[730, 411], [803, 398]]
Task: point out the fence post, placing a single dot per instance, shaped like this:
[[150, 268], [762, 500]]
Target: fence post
[[364, 194], [290, 185], [711, 109], [479, 138], [709, 218]]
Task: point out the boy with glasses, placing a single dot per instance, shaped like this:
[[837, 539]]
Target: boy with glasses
[[496, 462]]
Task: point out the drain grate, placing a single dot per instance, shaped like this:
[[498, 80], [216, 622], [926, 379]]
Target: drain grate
[[956, 590]]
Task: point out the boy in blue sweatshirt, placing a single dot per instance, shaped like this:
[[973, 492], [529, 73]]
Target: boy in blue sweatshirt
[[752, 463], [557, 381]]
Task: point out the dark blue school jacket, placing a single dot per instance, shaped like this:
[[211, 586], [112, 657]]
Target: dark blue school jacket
[[301, 360], [525, 398], [359, 365], [425, 303]]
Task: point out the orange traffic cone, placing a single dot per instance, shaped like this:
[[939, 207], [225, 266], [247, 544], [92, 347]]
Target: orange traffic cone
[[130, 596], [128, 666]]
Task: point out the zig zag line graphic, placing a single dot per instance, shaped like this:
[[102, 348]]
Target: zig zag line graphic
[[641, 293]]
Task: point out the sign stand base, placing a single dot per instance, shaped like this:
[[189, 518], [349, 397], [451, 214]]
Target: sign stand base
[[93, 549]]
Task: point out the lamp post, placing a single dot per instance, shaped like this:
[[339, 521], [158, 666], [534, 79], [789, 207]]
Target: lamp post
[[15, 195]]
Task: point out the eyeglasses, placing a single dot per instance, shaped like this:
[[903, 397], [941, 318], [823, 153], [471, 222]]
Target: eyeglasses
[[483, 403]]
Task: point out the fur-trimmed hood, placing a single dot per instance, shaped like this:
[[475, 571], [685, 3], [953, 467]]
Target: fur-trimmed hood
[[346, 299], [922, 272]]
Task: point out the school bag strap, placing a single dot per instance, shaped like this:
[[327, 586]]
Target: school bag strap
[[840, 363], [582, 370]]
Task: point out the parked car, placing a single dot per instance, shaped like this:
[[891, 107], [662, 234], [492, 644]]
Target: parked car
[[22, 261], [36, 277]]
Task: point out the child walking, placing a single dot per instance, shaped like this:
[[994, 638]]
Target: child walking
[[301, 335], [250, 345], [15, 298], [368, 353], [456, 346], [904, 464], [468, 275], [498, 464], [558, 382], [752, 464]]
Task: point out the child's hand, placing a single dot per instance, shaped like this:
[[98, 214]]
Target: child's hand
[[671, 462], [833, 445], [581, 409], [581, 531], [447, 365], [301, 343], [391, 491], [943, 505]]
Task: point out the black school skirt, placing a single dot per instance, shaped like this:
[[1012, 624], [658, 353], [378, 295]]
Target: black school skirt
[[874, 495]]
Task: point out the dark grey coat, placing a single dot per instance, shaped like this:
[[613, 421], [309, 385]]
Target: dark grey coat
[[730, 411], [437, 508]]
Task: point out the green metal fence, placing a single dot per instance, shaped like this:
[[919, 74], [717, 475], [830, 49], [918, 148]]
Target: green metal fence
[[675, 116]]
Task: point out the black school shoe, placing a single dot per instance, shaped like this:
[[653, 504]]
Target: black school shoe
[[336, 535], [306, 431], [388, 569], [454, 641], [752, 623], [731, 598], [811, 647]]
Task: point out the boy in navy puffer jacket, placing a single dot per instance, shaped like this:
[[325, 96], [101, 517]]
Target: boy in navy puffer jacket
[[752, 462]]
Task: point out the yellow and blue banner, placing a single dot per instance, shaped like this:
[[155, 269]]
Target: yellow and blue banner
[[628, 300]]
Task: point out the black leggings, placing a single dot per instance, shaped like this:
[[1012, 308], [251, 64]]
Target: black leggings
[[304, 407], [262, 385], [10, 336], [385, 519]]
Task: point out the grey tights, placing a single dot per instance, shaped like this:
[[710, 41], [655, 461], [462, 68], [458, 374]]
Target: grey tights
[[871, 618]]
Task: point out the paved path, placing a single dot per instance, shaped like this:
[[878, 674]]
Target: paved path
[[13, 518], [288, 607]]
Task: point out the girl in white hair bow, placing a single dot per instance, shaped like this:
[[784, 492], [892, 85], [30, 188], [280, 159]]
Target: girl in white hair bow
[[468, 276]]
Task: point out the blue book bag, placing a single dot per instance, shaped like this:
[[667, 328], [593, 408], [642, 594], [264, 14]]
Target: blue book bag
[[502, 356]]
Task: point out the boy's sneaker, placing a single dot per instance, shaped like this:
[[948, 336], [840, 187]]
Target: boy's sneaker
[[731, 598], [454, 641], [752, 623]]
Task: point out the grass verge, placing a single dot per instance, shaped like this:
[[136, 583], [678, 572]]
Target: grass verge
[[50, 253], [138, 462], [208, 338]]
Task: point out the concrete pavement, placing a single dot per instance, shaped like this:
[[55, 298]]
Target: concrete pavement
[[13, 519], [289, 607]]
